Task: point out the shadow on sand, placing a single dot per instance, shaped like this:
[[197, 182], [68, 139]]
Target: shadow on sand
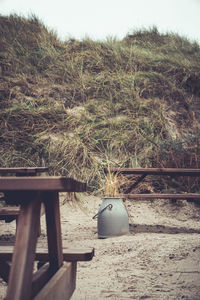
[[142, 228]]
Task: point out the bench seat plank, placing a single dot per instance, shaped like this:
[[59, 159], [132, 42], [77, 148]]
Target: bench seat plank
[[156, 171], [161, 196], [69, 254], [9, 211]]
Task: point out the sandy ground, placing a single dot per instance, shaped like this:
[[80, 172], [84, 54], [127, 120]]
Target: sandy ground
[[158, 259]]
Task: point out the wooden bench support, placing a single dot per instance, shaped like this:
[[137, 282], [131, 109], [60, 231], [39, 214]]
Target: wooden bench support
[[40, 278], [61, 286]]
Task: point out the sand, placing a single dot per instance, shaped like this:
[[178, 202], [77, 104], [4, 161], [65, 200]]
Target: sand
[[158, 259]]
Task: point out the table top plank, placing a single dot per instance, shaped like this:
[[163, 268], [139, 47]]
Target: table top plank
[[155, 171], [49, 183]]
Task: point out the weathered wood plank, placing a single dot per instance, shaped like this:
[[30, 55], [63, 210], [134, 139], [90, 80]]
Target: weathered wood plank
[[20, 279], [50, 183], [27, 171], [61, 286], [69, 254], [156, 171], [9, 211], [40, 278], [161, 196]]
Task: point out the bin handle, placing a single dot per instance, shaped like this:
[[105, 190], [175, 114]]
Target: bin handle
[[110, 206]]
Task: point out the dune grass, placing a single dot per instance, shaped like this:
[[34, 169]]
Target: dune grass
[[79, 106]]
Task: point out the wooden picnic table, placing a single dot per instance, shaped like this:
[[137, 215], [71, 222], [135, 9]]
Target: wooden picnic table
[[56, 278], [173, 172]]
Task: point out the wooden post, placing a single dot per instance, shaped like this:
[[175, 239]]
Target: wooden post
[[61, 286], [51, 201], [20, 279]]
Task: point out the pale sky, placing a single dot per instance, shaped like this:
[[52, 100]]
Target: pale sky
[[100, 19]]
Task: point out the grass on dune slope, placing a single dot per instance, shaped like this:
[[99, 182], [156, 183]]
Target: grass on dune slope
[[80, 106]]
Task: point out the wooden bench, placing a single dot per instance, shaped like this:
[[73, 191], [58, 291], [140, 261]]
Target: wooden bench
[[55, 279], [160, 172], [42, 256], [69, 255]]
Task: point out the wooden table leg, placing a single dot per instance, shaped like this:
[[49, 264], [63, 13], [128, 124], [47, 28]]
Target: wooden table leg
[[51, 200], [20, 278]]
